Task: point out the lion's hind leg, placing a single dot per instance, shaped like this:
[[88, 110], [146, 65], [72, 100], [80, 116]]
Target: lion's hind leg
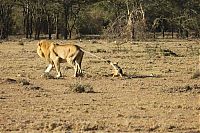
[[78, 69], [73, 64], [78, 62], [75, 61]]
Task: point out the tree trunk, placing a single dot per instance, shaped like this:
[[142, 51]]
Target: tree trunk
[[70, 34], [27, 23], [49, 26], [163, 32], [31, 27], [1, 34], [37, 28], [186, 34], [24, 21], [5, 20], [180, 29], [66, 12], [172, 32], [130, 27], [57, 32], [27, 26], [163, 28]]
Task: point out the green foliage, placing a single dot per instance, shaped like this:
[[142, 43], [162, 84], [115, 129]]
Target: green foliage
[[6, 20], [104, 17], [87, 24]]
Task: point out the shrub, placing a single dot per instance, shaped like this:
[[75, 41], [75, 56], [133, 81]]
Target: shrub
[[81, 88]]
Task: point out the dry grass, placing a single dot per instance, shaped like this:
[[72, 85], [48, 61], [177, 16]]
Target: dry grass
[[157, 93], [81, 88], [196, 74]]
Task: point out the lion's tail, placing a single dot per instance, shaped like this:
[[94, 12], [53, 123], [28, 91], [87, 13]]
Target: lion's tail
[[108, 61], [115, 67]]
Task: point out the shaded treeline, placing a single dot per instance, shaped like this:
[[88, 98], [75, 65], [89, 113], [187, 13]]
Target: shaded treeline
[[131, 19]]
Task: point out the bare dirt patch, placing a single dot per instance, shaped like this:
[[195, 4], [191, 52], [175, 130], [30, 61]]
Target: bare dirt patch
[[156, 94]]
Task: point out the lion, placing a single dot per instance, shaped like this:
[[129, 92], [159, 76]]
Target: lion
[[54, 54]]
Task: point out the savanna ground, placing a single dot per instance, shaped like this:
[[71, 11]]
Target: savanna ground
[[157, 93]]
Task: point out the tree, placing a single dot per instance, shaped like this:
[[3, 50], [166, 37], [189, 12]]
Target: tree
[[6, 21], [129, 19], [136, 20]]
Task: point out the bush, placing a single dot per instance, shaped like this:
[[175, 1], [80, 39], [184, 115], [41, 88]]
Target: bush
[[81, 88]]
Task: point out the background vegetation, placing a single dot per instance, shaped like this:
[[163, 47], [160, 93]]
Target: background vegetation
[[130, 19]]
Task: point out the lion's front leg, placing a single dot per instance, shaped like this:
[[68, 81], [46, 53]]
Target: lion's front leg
[[50, 66], [46, 72]]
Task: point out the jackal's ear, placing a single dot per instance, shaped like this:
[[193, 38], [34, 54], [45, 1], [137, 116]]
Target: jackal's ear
[[108, 61], [115, 63]]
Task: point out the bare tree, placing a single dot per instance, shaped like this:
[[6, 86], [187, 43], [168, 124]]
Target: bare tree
[[136, 22]]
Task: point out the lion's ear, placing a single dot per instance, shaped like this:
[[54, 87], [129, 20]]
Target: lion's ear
[[39, 44], [53, 43]]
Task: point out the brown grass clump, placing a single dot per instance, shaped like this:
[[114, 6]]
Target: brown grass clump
[[168, 52], [196, 74], [81, 88], [20, 43], [47, 76]]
